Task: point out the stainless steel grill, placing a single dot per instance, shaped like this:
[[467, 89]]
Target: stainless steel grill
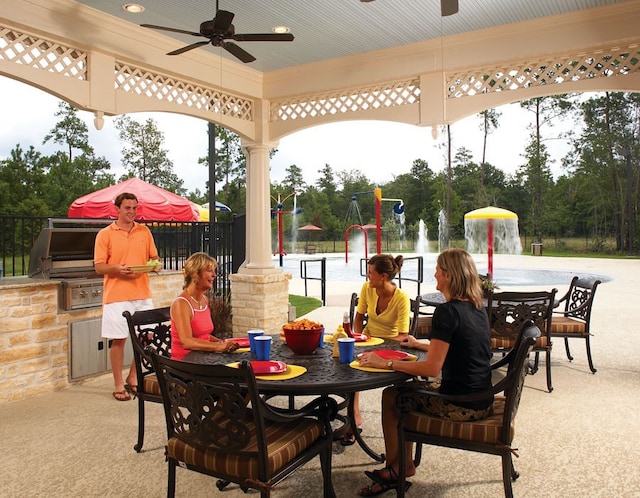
[[67, 254]]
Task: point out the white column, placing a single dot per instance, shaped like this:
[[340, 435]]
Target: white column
[[258, 247]]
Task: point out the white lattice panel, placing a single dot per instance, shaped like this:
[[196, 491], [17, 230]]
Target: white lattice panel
[[384, 95], [161, 87], [545, 72], [38, 53]]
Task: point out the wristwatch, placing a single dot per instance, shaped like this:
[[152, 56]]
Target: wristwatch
[[390, 364]]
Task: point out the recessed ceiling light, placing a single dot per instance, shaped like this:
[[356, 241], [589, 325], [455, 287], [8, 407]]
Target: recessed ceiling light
[[133, 8], [281, 29]]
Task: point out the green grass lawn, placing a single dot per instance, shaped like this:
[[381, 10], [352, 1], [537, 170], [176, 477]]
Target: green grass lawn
[[304, 304]]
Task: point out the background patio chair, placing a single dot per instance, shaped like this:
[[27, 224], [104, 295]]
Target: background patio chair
[[218, 424], [575, 319], [492, 435], [146, 328], [509, 310]]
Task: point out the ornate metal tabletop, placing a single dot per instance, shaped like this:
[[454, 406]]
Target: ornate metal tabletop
[[325, 374]]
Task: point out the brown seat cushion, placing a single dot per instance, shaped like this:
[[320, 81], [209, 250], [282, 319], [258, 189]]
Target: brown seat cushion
[[151, 385], [424, 326], [483, 431], [284, 442], [498, 342], [563, 325]]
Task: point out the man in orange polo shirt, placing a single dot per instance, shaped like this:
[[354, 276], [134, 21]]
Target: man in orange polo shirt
[[118, 247]]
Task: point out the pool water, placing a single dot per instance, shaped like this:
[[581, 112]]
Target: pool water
[[355, 269]]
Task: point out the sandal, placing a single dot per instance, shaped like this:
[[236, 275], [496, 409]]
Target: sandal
[[121, 395], [382, 487], [131, 389], [349, 439], [376, 475]]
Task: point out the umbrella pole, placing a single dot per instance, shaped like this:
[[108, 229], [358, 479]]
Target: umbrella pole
[[490, 249]]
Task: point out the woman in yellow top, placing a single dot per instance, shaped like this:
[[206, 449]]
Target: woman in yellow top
[[387, 308]]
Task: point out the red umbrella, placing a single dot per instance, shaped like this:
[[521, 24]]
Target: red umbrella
[[154, 203], [310, 228]]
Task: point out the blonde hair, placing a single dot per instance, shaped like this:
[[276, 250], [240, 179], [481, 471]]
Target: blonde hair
[[463, 278], [386, 264], [194, 264]]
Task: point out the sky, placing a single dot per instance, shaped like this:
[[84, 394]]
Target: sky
[[380, 150]]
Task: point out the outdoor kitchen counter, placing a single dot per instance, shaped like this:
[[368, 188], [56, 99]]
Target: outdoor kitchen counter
[[34, 332]]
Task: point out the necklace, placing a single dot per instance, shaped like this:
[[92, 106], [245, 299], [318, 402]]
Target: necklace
[[197, 301]]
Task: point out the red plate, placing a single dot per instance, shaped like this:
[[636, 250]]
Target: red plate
[[361, 337], [391, 354], [268, 367], [243, 342]]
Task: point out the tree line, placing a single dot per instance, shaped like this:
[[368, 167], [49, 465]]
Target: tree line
[[596, 196]]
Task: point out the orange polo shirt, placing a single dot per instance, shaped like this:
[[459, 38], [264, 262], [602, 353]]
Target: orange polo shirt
[[114, 246]]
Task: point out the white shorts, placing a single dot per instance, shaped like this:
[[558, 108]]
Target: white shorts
[[114, 325]]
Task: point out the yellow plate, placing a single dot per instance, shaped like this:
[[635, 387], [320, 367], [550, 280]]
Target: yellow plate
[[291, 372], [143, 268], [373, 341]]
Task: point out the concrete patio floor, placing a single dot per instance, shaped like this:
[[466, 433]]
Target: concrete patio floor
[[578, 441]]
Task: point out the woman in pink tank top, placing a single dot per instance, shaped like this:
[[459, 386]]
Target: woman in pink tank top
[[191, 324]]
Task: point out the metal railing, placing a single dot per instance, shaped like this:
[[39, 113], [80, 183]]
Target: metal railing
[[304, 275], [175, 242]]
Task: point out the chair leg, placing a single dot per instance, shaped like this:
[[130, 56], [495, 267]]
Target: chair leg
[[171, 479], [566, 347], [593, 369], [508, 474], [138, 445], [533, 368], [417, 457], [549, 386]]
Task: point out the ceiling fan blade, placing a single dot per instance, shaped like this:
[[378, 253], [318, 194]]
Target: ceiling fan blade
[[173, 30], [448, 7], [222, 21], [240, 53], [263, 37], [189, 47]]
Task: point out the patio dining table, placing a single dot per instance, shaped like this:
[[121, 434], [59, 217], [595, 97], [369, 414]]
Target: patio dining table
[[324, 376]]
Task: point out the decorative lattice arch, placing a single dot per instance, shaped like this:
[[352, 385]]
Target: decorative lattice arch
[[39, 53], [368, 98], [157, 86], [508, 77]]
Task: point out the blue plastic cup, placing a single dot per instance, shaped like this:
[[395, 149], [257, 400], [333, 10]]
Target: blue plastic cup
[[346, 346], [321, 343], [253, 333], [263, 347]]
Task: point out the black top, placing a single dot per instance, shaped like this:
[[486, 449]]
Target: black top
[[467, 367]]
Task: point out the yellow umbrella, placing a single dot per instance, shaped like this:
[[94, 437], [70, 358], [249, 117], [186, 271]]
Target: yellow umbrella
[[490, 213]]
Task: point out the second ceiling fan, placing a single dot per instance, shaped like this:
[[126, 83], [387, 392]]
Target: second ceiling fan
[[218, 31]]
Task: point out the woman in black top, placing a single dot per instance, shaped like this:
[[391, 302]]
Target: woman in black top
[[458, 348]]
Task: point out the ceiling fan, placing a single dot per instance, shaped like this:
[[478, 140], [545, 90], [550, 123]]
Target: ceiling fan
[[220, 29], [447, 7]]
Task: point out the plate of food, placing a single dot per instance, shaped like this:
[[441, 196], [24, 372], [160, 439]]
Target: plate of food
[[262, 367], [392, 354], [243, 342], [150, 265]]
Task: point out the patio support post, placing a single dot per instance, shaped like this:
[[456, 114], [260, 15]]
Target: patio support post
[[258, 248]]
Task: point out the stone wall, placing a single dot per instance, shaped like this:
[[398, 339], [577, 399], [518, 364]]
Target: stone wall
[[34, 333]]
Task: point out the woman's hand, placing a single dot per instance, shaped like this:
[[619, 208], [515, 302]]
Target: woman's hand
[[224, 346], [412, 342], [372, 360]]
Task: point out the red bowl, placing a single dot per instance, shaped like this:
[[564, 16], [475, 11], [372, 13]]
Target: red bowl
[[302, 342]]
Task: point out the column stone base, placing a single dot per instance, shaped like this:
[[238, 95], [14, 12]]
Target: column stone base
[[259, 302]]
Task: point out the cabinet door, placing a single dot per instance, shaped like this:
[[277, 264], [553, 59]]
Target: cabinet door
[[88, 355]]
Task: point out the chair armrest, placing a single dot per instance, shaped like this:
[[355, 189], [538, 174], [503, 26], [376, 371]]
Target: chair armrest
[[574, 310]]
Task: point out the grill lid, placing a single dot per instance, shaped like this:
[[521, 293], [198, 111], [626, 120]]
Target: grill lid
[[63, 253]]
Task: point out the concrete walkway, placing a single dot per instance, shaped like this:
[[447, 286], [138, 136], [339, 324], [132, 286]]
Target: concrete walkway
[[578, 441]]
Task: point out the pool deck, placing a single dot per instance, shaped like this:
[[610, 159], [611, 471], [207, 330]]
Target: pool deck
[[578, 441]]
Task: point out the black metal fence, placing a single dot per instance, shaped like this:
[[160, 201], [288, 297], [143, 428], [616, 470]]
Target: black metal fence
[[175, 242]]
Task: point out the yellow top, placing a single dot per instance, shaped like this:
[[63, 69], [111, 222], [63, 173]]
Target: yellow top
[[392, 321]]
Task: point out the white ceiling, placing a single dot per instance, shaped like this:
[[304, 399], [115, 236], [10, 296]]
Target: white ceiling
[[327, 29]]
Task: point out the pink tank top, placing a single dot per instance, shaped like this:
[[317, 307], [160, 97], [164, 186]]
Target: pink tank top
[[201, 328]]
